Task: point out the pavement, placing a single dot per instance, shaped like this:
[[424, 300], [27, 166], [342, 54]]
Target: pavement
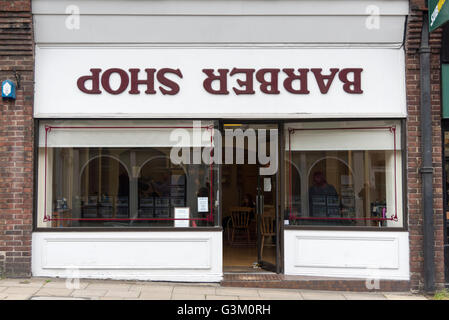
[[59, 289]]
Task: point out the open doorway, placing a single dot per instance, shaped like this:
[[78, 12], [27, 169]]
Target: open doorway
[[249, 207]]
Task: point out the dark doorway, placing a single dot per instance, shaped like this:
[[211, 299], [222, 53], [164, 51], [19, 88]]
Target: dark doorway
[[249, 209]]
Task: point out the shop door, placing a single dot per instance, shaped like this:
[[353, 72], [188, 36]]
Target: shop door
[[267, 222], [251, 186]]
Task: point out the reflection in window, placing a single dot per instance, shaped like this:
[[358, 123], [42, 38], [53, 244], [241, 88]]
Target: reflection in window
[[125, 187], [104, 189], [343, 188], [161, 188]]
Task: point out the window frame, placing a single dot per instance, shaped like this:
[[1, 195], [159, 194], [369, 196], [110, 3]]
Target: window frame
[[218, 227]]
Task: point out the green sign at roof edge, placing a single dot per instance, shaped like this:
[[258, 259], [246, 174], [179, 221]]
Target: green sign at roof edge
[[438, 13]]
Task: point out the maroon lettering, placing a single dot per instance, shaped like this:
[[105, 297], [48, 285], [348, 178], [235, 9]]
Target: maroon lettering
[[216, 81], [351, 86], [247, 84], [221, 78], [95, 78], [268, 86], [135, 82], [173, 86], [320, 78], [302, 78], [106, 78]]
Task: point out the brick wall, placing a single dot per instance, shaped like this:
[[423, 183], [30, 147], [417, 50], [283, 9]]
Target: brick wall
[[414, 189], [16, 139]]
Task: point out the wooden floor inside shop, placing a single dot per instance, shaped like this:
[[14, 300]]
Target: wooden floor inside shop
[[240, 185], [243, 258], [240, 255]]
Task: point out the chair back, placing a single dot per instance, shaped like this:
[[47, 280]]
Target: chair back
[[269, 210], [240, 216], [268, 225]]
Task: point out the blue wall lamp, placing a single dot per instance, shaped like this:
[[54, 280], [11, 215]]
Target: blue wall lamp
[[8, 89]]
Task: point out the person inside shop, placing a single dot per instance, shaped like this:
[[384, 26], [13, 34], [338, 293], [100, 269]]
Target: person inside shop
[[248, 201], [147, 190], [321, 195]]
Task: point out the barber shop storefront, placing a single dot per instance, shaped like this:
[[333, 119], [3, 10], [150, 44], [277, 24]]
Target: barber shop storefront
[[183, 157]]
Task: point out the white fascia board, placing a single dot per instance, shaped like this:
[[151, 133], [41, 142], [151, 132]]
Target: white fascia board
[[219, 29], [222, 7]]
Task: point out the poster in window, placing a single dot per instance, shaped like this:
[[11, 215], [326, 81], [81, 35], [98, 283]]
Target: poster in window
[[203, 204], [183, 214]]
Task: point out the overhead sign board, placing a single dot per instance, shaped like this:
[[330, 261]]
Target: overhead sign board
[[219, 82]]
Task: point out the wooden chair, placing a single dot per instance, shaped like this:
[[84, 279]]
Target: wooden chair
[[267, 225], [240, 220]]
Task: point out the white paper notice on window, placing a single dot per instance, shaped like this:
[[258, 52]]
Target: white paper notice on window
[[203, 204], [182, 213], [267, 184]]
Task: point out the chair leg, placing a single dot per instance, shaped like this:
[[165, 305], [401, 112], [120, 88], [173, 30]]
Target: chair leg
[[233, 232], [261, 247]]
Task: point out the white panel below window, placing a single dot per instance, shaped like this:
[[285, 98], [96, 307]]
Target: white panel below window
[[161, 256], [349, 254]]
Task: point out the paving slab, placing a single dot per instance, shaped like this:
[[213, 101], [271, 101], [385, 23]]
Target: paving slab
[[117, 298], [154, 296], [252, 298], [22, 283], [404, 297], [89, 293], [54, 298], [195, 284], [183, 296], [62, 284], [17, 297], [214, 297], [151, 289], [20, 290], [56, 289], [122, 293], [229, 291], [155, 283], [280, 295], [56, 292], [194, 290], [320, 295], [364, 296], [108, 286]]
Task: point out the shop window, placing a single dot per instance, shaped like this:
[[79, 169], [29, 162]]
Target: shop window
[[120, 174], [347, 174]]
